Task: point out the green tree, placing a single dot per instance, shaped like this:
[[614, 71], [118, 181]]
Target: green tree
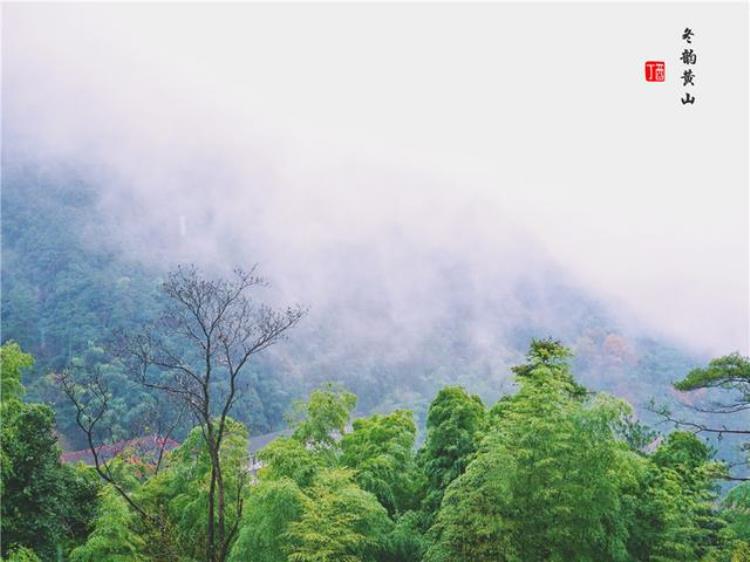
[[307, 507], [548, 362], [730, 372], [197, 352], [549, 480], [737, 510], [726, 385], [272, 506], [13, 361], [323, 419], [340, 522], [46, 506], [455, 421], [287, 457], [21, 554], [114, 537], [183, 487], [685, 524], [380, 450], [407, 541]]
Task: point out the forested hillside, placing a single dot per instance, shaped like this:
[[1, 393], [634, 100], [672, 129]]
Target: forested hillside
[[68, 287], [373, 282], [66, 291], [459, 447]]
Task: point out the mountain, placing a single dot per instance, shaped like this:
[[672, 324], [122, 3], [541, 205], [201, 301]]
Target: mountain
[[69, 281]]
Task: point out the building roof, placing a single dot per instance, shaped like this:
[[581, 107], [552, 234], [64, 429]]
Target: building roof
[[142, 447], [257, 442]]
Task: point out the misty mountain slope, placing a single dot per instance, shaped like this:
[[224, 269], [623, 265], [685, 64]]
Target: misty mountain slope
[[66, 290], [67, 286]]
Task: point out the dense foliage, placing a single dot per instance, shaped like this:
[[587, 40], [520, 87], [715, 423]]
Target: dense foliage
[[46, 506], [551, 472]]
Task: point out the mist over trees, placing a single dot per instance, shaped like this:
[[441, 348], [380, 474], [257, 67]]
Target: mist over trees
[[63, 259], [432, 451], [522, 324]]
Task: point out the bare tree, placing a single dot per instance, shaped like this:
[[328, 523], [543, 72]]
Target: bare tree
[[91, 397], [196, 352]]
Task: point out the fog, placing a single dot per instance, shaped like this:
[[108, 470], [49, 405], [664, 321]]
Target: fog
[[389, 165]]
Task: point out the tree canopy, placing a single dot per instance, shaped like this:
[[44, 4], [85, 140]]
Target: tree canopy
[[551, 472]]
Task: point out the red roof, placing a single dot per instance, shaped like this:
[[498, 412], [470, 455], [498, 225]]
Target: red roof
[[142, 447]]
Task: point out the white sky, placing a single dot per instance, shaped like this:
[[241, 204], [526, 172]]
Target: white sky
[[537, 114]]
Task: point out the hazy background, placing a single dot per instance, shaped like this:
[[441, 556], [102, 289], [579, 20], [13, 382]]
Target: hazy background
[[393, 166]]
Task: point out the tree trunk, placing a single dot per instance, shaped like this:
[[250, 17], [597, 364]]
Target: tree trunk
[[210, 533], [220, 535]]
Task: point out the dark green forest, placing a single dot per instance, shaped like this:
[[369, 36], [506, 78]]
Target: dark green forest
[[595, 444]]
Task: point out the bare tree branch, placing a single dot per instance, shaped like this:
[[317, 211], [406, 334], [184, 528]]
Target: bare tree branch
[[216, 328]]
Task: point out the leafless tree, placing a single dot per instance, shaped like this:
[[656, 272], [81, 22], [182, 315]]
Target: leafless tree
[[196, 352], [91, 397]]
